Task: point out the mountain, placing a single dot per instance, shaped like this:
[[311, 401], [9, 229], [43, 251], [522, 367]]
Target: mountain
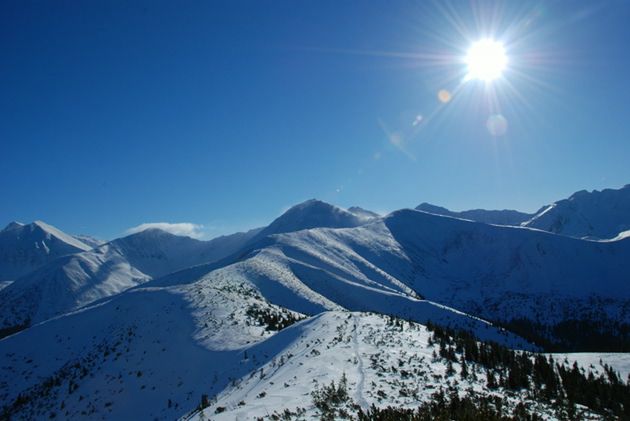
[[89, 240], [374, 362], [24, 248], [363, 213], [497, 217], [151, 351], [311, 214], [149, 329], [144, 354], [512, 275], [595, 214], [109, 269], [545, 286], [76, 280], [215, 344]]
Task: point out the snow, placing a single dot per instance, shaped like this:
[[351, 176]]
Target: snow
[[497, 217], [89, 240], [363, 213], [77, 280], [13, 225], [494, 272], [140, 349], [68, 239], [597, 214], [593, 361], [312, 214], [144, 325], [151, 352], [379, 360], [24, 248], [622, 235]]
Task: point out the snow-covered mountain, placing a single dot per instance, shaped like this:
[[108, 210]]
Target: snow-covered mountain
[[497, 217], [89, 240], [158, 353], [363, 213], [499, 273], [151, 323], [504, 273], [312, 214], [508, 274], [383, 364], [595, 214], [76, 280], [153, 350], [24, 248], [67, 284]]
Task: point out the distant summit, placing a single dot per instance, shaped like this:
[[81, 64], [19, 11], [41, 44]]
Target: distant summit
[[363, 213], [24, 248], [496, 217], [13, 225], [89, 240], [312, 214], [597, 214]]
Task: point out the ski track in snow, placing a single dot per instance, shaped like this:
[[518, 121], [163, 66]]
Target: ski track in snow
[[358, 395]]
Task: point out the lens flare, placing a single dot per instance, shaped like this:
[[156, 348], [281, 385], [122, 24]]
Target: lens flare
[[497, 125], [444, 96]]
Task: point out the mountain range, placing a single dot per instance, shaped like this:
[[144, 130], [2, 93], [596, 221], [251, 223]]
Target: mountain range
[[596, 214], [146, 325]]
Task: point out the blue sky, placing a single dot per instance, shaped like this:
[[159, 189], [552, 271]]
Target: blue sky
[[225, 113]]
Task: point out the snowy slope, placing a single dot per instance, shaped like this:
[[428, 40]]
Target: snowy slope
[[494, 272], [152, 351], [596, 214], [24, 248], [312, 214], [296, 285], [363, 213], [126, 357], [148, 353], [89, 240], [66, 284], [77, 280], [498, 271], [384, 364], [123, 263], [498, 217]]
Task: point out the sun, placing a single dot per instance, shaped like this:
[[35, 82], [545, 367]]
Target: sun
[[486, 60]]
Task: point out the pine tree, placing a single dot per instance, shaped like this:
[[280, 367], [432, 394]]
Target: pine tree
[[464, 370]]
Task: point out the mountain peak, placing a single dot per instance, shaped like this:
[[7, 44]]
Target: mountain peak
[[13, 225], [153, 233], [24, 248], [312, 213], [496, 217], [363, 213], [50, 230], [311, 203], [428, 207], [595, 214]]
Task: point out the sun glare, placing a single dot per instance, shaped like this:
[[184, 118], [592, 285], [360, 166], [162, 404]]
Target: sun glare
[[486, 60]]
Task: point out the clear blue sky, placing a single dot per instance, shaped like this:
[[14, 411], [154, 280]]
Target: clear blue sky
[[225, 113]]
